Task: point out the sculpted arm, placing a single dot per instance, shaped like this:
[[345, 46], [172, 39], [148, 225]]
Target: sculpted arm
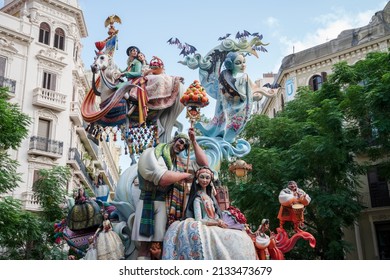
[[286, 198], [200, 155], [155, 170]]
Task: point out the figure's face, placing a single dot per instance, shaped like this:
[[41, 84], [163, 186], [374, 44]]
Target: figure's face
[[134, 52], [179, 145], [141, 57], [239, 64], [292, 186], [204, 179]]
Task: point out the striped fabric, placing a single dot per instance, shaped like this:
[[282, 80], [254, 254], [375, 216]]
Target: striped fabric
[[116, 116], [147, 217]]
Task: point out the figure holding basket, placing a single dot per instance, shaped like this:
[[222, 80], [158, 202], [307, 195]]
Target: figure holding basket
[[293, 201]]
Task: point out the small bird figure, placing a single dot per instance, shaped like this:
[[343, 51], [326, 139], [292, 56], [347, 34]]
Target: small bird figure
[[111, 20]]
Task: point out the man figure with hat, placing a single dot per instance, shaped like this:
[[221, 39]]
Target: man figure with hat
[[134, 66], [292, 200], [162, 174]]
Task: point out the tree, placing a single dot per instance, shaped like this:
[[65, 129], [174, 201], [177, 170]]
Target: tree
[[23, 234], [14, 128], [315, 141]]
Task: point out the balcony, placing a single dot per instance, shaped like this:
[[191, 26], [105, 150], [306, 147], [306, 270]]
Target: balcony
[[8, 83], [45, 147], [75, 113], [90, 143], [29, 202], [49, 99], [75, 161], [107, 177], [375, 200]]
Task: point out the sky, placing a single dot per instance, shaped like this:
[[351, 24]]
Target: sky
[[287, 26]]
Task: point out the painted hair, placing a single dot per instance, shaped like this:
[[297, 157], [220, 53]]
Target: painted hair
[[189, 211], [229, 60], [291, 182]]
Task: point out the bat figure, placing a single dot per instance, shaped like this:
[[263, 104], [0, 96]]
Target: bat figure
[[243, 34], [256, 34], [224, 37], [174, 41], [188, 49]]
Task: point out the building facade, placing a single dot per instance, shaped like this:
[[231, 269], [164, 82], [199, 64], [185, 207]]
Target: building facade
[[41, 66], [371, 234]]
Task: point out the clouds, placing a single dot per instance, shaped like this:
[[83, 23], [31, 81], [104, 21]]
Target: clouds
[[291, 29], [325, 28]]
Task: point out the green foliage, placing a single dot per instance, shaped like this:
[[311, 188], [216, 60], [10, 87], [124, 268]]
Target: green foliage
[[314, 142], [13, 125], [26, 235], [23, 234], [50, 191], [9, 178]]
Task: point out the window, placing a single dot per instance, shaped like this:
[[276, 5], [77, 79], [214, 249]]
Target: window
[[43, 134], [44, 128], [75, 52], [36, 176], [282, 101], [379, 190], [315, 82], [49, 81], [383, 236], [59, 39], [44, 33]]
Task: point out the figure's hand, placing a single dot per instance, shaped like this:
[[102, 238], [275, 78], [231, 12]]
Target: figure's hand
[[222, 224], [191, 134]]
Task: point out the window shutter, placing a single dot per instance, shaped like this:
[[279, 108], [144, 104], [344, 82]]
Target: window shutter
[[43, 128], [3, 60]]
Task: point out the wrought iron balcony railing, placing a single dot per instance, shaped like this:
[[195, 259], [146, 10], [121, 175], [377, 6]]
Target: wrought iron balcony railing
[[46, 145]]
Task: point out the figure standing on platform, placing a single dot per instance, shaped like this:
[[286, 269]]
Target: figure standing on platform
[[293, 201], [109, 246], [263, 240]]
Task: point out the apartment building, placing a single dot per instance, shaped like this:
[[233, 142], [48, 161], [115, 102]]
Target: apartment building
[[40, 63]]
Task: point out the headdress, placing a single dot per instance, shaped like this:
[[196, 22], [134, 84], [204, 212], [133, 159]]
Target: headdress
[[264, 221], [184, 137], [205, 169], [130, 48]]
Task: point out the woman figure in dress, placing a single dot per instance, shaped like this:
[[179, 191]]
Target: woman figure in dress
[[202, 205], [207, 232], [109, 246], [81, 196], [235, 100]]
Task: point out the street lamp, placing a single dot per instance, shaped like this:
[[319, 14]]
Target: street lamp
[[240, 168]]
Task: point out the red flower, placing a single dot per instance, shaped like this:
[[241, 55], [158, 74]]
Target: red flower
[[237, 214]]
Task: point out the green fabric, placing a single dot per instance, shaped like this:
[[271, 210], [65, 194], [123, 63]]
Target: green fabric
[[135, 70], [147, 218], [164, 150]]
